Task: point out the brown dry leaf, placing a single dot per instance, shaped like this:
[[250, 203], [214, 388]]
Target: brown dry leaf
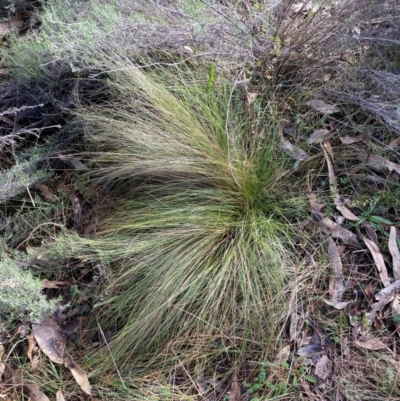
[[379, 163], [50, 339], [336, 282], [318, 136], [234, 389], [322, 107], [251, 97], [348, 140], [2, 369], [34, 393], [387, 293], [328, 226], [346, 213], [59, 396], [323, 367], [372, 344], [80, 376], [394, 251], [53, 284], [283, 355], [379, 261], [291, 150], [32, 348], [30, 389], [383, 297], [337, 231], [328, 148], [295, 325], [368, 178]]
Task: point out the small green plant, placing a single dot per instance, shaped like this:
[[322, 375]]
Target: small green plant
[[21, 293]]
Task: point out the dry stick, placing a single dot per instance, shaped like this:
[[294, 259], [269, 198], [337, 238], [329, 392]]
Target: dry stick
[[109, 350]]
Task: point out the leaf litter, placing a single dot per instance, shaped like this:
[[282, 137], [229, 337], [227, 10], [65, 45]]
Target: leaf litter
[[51, 341]]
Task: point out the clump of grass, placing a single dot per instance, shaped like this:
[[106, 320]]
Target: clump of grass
[[196, 225]]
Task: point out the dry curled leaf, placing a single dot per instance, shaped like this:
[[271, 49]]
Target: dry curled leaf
[[379, 261]]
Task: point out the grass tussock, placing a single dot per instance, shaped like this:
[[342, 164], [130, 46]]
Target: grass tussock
[[196, 225]]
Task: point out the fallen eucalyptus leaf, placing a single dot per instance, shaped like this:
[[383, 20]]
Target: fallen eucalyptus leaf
[[379, 261], [80, 376], [234, 389], [323, 367], [379, 163], [283, 355], [372, 344], [319, 136], [336, 305], [388, 291], [322, 107], [30, 389], [337, 231], [336, 286], [59, 396], [348, 140], [50, 339], [291, 150], [394, 251]]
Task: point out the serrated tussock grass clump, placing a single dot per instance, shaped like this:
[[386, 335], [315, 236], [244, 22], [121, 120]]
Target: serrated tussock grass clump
[[195, 229]]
